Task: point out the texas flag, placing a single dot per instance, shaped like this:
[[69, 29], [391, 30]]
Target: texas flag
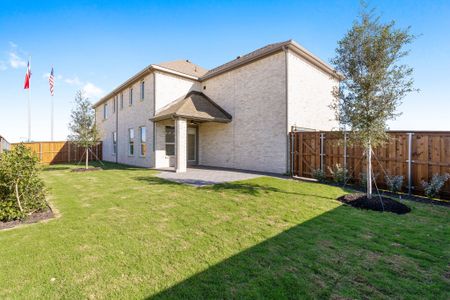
[[27, 77]]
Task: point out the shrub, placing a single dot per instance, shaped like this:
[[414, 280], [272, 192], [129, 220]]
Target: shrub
[[433, 187], [319, 175], [339, 173], [21, 190], [394, 183]]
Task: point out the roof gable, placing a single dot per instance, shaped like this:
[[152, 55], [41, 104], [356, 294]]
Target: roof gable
[[195, 106]]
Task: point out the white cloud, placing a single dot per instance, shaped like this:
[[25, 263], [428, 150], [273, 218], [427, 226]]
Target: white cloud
[[16, 61], [92, 91], [46, 75], [73, 81]]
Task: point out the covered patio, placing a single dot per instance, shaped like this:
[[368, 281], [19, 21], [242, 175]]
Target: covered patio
[[185, 112]]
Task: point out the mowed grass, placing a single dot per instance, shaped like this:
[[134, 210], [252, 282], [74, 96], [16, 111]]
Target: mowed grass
[[123, 233]]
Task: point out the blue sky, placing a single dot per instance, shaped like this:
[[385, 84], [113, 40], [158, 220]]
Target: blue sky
[[97, 45]]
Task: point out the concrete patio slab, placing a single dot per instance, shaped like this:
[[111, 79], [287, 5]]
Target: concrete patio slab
[[201, 176]]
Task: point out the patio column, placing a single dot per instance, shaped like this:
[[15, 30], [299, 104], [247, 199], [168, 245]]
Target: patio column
[[181, 145]]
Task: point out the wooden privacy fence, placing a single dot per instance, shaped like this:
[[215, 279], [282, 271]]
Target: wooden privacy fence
[[414, 155], [62, 152]]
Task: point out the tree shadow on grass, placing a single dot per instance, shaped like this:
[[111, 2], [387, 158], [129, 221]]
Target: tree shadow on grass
[[324, 257], [153, 180], [254, 189]]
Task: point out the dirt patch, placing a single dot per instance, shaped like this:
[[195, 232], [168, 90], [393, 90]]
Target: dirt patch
[[360, 200], [86, 170], [33, 218]]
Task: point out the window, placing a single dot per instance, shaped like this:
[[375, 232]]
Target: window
[[131, 141], [142, 89], [114, 140], [114, 104], [170, 140], [105, 111], [131, 97], [143, 137], [121, 100]]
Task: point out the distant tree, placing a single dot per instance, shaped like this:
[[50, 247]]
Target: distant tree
[[374, 82], [82, 127]]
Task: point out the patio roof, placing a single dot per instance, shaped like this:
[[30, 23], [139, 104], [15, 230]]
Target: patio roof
[[194, 106]]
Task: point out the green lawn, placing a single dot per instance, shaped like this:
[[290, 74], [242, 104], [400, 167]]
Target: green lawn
[[123, 233]]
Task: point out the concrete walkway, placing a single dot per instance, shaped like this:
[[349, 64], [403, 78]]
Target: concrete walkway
[[201, 176]]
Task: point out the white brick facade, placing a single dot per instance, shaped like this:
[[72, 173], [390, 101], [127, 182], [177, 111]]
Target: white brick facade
[[265, 97]]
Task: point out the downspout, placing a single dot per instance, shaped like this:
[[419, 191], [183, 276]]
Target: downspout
[[285, 49], [117, 127], [153, 122]]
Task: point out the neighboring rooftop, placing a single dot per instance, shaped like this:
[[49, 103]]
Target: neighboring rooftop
[[194, 106]]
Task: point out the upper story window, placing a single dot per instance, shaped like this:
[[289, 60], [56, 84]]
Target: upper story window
[[121, 100], [105, 111], [142, 90], [130, 100]]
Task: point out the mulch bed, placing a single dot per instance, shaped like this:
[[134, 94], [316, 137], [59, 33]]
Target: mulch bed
[[33, 218], [86, 170], [360, 200]]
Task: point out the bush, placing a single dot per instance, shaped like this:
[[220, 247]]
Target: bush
[[21, 190], [433, 188], [394, 183], [339, 173], [319, 175]]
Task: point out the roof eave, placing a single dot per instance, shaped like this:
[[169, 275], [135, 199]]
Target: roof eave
[[200, 119], [292, 45], [138, 76]]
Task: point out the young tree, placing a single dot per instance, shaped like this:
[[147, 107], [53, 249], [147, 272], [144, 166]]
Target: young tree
[[82, 127], [374, 81]]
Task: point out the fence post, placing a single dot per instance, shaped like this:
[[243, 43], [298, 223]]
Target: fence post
[[68, 146], [322, 137], [40, 152], [409, 162], [345, 150], [291, 140]]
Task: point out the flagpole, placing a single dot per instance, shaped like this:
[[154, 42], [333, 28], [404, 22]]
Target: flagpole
[[52, 121], [29, 108]]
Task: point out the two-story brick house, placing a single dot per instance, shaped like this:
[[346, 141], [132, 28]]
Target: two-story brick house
[[237, 115]]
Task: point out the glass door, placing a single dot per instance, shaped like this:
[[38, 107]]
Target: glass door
[[192, 145]]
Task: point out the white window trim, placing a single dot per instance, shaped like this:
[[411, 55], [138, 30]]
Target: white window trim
[[142, 90], [170, 143], [114, 152], [141, 143], [129, 143], [105, 111], [130, 97]]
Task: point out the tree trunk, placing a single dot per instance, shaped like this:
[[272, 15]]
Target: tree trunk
[[87, 158], [16, 188], [369, 171]]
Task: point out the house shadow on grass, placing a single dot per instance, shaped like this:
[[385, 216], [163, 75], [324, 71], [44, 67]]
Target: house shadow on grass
[[329, 256], [296, 264]]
